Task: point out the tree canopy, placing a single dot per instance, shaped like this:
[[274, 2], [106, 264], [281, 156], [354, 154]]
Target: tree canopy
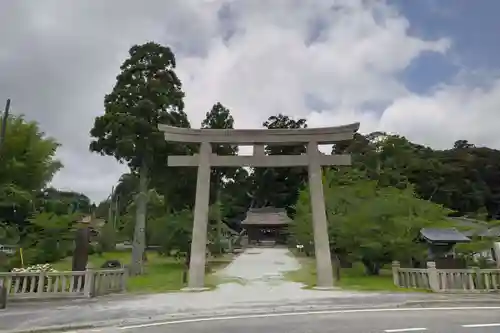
[[147, 93], [27, 165]]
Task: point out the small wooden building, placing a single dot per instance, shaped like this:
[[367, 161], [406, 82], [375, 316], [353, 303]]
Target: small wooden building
[[441, 244], [267, 224], [442, 241]]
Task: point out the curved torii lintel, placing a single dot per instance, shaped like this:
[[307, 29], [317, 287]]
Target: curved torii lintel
[[320, 135]]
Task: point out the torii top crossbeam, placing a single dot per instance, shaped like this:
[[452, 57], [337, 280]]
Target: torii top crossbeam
[[322, 135]]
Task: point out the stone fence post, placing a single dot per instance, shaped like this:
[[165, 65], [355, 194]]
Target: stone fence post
[[395, 272], [478, 279], [124, 280], [432, 273], [41, 283], [88, 287], [3, 295]]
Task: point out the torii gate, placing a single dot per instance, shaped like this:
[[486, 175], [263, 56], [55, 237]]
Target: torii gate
[[313, 159]]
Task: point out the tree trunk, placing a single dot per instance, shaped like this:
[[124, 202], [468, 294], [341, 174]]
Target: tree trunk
[[336, 267], [187, 262], [218, 231], [371, 267], [139, 243], [110, 207], [219, 223], [81, 253]]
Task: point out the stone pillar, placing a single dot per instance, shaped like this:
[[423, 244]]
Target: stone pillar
[[320, 224], [199, 238], [496, 252], [433, 277], [3, 295], [395, 272]]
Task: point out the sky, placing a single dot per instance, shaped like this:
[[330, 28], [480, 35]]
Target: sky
[[426, 69]]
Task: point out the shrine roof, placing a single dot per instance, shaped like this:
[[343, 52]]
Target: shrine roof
[[269, 216], [448, 235]]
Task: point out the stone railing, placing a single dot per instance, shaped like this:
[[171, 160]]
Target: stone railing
[[446, 280], [41, 285]]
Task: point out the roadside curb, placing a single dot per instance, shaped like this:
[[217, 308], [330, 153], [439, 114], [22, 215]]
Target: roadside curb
[[53, 329], [461, 302]]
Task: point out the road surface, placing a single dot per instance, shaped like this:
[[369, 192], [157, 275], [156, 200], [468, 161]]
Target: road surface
[[444, 320]]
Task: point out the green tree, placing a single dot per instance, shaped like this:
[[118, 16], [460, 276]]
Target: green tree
[[370, 223], [147, 93], [27, 164], [177, 232], [9, 234], [236, 198], [219, 117], [50, 237], [279, 187], [63, 202], [464, 178], [107, 237]]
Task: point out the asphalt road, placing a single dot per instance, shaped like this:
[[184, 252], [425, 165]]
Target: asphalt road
[[443, 320]]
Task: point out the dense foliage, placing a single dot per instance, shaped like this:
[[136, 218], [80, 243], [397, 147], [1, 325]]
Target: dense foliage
[[33, 216]]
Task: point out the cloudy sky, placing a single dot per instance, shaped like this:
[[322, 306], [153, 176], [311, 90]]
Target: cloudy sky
[[426, 69]]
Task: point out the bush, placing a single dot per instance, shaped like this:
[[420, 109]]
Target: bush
[[216, 248], [50, 237], [107, 238], [4, 262]]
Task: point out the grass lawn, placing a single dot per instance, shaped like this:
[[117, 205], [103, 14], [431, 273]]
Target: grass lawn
[[162, 274], [350, 278]]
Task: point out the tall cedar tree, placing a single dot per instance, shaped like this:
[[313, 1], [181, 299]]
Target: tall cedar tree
[[220, 117], [147, 93], [279, 187]]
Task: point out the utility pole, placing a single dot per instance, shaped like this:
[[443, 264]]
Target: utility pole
[[110, 207], [218, 219], [4, 122], [117, 212]]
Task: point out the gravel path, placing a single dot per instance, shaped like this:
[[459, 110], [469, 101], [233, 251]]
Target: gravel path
[[259, 273]]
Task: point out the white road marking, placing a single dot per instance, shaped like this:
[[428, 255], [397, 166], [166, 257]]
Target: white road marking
[[307, 313], [406, 329], [482, 325]]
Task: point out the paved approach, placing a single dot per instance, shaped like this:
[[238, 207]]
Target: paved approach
[[468, 320], [254, 283]]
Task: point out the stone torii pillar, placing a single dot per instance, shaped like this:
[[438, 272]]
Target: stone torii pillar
[[201, 207], [320, 223], [313, 160]]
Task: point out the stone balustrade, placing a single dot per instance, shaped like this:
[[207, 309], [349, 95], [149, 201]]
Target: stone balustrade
[[41, 285], [446, 280]]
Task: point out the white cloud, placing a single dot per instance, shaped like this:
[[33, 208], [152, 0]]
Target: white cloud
[[450, 113], [64, 55]]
